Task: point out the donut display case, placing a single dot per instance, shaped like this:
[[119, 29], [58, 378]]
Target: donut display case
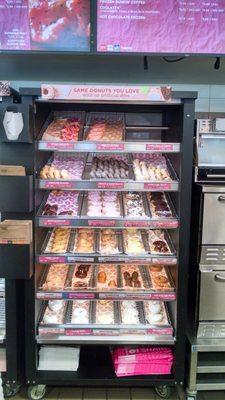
[[112, 204]]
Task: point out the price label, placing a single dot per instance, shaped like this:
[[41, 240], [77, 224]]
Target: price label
[[110, 185], [78, 332], [110, 147], [55, 222], [81, 295], [157, 186], [159, 147], [165, 224], [163, 296], [60, 146], [46, 296], [100, 222], [140, 224], [105, 332], [160, 331], [80, 259], [165, 261], [51, 259], [51, 331], [58, 185]]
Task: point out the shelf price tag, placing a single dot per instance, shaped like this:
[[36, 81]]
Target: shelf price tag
[[110, 185], [57, 185], [139, 224], [47, 296], [110, 147], [165, 224], [55, 222], [100, 222], [157, 186], [105, 332], [60, 146], [73, 295], [163, 296], [51, 259], [78, 332], [160, 331], [159, 147]]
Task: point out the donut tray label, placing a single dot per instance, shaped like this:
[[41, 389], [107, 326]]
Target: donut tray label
[[110, 147], [49, 296], [157, 186], [160, 331], [103, 332], [55, 222], [101, 222], [141, 224], [56, 185], [73, 259], [52, 259], [51, 331], [165, 261], [159, 147], [166, 224], [78, 332], [162, 296], [80, 296], [63, 146], [110, 185]]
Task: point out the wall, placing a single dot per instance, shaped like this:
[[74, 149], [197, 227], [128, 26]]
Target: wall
[[189, 74]]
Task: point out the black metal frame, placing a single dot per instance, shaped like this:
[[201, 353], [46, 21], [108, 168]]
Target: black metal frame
[[32, 375]]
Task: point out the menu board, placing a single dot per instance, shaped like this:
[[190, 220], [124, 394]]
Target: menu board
[[45, 25], [161, 26]]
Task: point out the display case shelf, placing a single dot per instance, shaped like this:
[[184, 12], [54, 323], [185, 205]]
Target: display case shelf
[[124, 259], [121, 340], [106, 295], [120, 185], [110, 147]]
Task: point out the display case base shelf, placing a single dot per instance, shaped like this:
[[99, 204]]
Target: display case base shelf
[[110, 147], [117, 340], [93, 295], [122, 259], [53, 184]]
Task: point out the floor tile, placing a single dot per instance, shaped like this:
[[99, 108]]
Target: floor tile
[[73, 393], [142, 394], [118, 394], [94, 394]]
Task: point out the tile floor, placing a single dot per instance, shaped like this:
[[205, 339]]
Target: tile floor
[[114, 394]]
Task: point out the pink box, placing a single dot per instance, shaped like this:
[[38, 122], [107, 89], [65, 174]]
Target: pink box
[[142, 361]]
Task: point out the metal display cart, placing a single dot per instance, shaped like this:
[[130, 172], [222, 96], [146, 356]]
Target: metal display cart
[[149, 127]]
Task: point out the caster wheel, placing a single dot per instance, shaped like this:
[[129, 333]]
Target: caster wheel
[[10, 390], [36, 392], [163, 391]]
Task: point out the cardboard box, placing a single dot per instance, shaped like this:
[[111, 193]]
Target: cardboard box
[[16, 232], [12, 170]]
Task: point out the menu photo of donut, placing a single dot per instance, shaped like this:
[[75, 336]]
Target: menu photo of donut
[[60, 24]]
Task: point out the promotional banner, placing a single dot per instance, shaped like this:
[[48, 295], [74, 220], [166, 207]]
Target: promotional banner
[[106, 92], [161, 26], [45, 25]]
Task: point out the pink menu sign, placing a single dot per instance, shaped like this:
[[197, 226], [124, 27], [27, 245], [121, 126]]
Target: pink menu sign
[[161, 26], [45, 25], [106, 92]]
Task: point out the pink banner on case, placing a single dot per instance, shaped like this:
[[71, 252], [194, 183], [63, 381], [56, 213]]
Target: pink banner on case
[[161, 26], [132, 93], [14, 25]]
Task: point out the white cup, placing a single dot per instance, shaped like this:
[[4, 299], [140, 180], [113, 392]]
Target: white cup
[[13, 124]]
